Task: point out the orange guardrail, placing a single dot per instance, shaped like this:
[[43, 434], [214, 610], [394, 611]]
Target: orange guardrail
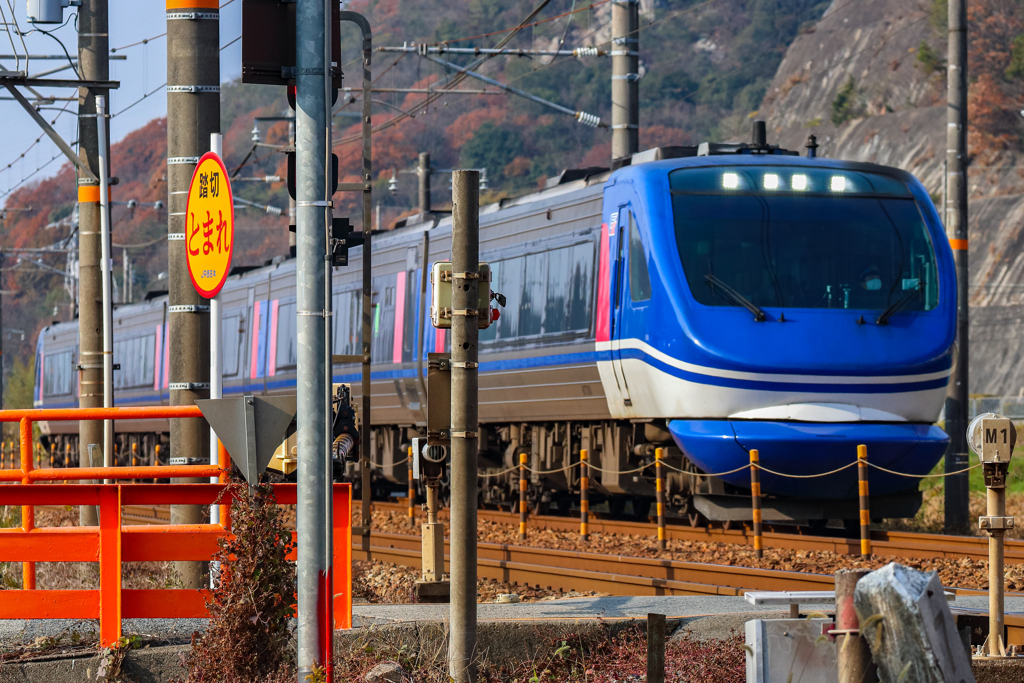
[[111, 543]]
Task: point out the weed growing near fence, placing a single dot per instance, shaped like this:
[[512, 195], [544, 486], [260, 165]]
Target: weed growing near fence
[[249, 638]]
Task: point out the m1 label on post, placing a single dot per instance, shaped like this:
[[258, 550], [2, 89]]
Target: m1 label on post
[[209, 226], [992, 437]]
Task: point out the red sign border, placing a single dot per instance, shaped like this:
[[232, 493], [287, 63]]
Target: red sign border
[[211, 293]]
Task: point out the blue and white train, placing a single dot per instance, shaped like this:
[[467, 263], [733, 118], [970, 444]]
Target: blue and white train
[[706, 300]]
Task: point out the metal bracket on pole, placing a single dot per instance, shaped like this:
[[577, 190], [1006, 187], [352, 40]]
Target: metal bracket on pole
[[52, 134]]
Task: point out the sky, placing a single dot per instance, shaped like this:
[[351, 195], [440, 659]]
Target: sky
[[144, 71]]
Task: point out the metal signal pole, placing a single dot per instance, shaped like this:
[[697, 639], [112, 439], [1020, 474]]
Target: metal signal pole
[[465, 301], [625, 79], [313, 218], [93, 65], [193, 113], [957, 397]]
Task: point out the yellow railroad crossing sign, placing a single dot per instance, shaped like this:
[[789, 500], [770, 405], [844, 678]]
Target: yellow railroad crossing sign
[[209, 226]]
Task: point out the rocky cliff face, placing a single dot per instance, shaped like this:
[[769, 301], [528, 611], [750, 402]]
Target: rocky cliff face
[[869, 82]]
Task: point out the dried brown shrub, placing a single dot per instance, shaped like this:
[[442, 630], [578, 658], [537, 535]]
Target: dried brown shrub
[[249, 637]]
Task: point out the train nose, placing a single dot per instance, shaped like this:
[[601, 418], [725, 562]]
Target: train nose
[[799, 458]]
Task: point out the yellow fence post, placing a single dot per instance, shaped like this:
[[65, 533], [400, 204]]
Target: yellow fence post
[[659, 491], [865, 505], [522, 496], [584, 496], [755, 502]]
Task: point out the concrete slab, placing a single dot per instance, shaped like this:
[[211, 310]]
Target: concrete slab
[[609, 608], [620, 607]]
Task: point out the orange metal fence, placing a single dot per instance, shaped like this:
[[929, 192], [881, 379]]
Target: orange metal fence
[[111, 543]]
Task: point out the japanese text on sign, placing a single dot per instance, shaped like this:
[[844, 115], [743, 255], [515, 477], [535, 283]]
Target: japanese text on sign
[[209, 226]]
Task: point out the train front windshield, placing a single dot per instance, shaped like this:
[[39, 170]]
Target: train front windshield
[[799, 237]]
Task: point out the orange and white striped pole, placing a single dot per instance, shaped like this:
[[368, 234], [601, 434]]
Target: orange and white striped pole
[[584, 496], [865, 504], [755, 503], [659, 484], [522, 496]]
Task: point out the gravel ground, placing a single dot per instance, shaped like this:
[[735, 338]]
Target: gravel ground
[[379, 582], [959, 573]]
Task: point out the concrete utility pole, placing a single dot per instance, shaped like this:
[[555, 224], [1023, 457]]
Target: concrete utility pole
[[93, 65], [465, 301], [313, 216], [625, 79], [193, 113], [423, 174], [957, 397]]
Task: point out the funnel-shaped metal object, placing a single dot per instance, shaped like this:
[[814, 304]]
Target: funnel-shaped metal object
[[250, 428]]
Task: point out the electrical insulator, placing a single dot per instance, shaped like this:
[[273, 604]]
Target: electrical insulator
[[588, 119], [393, 183], [255, 133], [581, 52]]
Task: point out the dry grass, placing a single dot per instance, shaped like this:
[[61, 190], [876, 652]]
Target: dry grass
[[79, 575], [574, 659]]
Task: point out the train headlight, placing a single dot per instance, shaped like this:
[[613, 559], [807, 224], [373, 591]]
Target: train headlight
[[730, 181], [771, 181], [837, 184], [799, 182]]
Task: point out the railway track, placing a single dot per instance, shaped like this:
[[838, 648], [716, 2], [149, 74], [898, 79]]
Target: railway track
[[888, 543]]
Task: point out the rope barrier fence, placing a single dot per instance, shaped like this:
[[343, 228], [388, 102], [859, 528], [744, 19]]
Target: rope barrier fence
[[755, 466]]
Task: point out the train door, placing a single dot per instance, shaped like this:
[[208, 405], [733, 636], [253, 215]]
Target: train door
[[618, 235]]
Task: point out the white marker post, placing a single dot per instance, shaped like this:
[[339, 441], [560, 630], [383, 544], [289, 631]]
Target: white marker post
[[216, 354], [216, 374]]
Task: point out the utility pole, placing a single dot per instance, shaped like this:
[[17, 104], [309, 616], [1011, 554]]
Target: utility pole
[[423, 174], [93, 65], [193, 113], [291, 199], [313, 215], [465, 302], [957, 396], [625, 80]]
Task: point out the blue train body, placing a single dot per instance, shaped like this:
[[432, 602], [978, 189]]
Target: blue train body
[[706, 304]]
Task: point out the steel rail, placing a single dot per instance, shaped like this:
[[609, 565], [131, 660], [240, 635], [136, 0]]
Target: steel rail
[[887, 543]]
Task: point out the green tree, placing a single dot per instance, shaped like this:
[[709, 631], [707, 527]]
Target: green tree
[[1016, 67], [845, 106], [929, 60], [492, 147]]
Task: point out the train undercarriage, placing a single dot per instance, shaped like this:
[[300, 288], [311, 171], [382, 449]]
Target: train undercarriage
[[621, 457]]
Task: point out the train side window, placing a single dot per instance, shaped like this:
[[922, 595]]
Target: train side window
[[348, 325], [136, 358], [581, 267], [287, 340], [57, 374], [384, 320], [511, 285], [639, 277], [531, 307], [231, 343]]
